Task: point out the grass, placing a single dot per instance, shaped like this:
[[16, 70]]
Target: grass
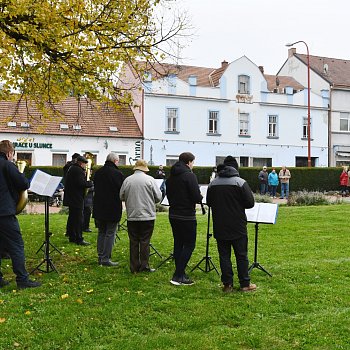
[[305, 305]]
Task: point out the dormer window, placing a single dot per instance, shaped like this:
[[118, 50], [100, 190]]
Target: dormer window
[[192, 80], [147, 77], [243, 84], [11, 124], [25, 125], [76, 127]]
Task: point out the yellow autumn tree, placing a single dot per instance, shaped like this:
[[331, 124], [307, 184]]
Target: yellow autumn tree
[[51, 49]]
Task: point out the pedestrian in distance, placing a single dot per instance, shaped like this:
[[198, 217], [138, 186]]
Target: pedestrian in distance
[[273, 182], [263, 180], [284, 175], [344, 181]]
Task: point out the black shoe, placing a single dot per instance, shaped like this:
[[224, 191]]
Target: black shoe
[[109, 263], [186, 281], [87, 230], [28, 284], [4, 283], [175, 281], [83, 243]]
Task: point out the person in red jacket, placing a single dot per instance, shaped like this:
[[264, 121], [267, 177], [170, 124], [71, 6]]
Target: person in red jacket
[[344, 181]]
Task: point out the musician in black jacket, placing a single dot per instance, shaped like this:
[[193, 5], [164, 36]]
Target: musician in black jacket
[[183, 194], [228, 196], [11, 183], [74, 192], [107, 207]]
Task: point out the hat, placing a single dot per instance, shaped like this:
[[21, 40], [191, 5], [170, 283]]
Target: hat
[[264, 167], [82, 159], [75, 155], [231, 161], [142, 165]]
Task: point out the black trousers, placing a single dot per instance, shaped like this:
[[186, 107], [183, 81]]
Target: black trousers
[[140, 233], [240, 248], [87, 215], [75, 225], [184, 233]]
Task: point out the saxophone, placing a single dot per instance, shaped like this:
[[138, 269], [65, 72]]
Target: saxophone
[[23, 195]]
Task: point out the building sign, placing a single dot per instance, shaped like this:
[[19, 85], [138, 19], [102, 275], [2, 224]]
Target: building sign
[[28, 143], [137, 150]]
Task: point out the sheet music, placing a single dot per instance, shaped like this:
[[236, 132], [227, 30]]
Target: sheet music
[[203, 189], [44, 184], [265, 213], [159, 182], [165, 201]]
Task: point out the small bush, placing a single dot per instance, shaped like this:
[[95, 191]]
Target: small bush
[[161, 208], [307, 198], [260, 198]]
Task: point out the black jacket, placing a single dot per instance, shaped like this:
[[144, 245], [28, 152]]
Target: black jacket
[[107, 204], [228, 195], [11, 183], [183, 192], [74, 187]]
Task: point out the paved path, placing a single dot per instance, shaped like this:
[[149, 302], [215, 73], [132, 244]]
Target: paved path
[[39, 208]]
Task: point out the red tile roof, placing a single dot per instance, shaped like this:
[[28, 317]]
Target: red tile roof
[[94, 119], [280, 81], [335, 71]]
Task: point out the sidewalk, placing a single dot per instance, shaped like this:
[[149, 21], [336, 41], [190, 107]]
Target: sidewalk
[[39, 208]]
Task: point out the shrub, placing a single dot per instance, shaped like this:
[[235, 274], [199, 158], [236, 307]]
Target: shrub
[[259, 198], [307, 198]]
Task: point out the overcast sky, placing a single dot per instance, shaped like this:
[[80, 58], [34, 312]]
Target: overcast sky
[[259, 29]]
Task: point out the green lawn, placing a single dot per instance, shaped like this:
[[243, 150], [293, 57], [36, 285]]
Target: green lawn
[[305, 305]]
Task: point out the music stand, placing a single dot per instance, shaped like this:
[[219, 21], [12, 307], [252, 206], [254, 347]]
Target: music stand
[[45, 185], [261, 213], [209, 265], [155, 251], [45, 247]]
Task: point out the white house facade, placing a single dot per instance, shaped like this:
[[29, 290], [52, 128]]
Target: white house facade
[[234, 110], [328, 76]]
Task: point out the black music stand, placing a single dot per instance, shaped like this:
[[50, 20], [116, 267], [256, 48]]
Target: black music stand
[[209, 265], [45, 247], [155, 251], [261, 213], [255, 263], [170, 257], [45, 185]]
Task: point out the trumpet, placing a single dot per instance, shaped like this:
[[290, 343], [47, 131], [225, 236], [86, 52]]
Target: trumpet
[[23, 195]]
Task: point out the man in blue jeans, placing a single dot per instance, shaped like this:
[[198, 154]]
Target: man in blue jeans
[[11, 183]]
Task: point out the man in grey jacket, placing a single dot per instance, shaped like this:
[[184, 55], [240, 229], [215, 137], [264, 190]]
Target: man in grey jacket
[[140, 193]]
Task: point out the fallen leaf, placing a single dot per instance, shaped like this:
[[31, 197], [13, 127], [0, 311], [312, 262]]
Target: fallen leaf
[[27, 312], [79, 301], [16, 344], [2, 320], [89, 291], [64, 296]]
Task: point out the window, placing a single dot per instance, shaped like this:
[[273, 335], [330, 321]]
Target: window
[[305, 136], [272, 127], [344, 122], [260, 162], [24, 156], [172, 116], [122, 159], [243, 124], [243, 84], [171, 160], [213, 122], [59, 159]]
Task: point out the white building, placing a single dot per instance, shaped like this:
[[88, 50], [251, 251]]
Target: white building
[[328, 76], [236, 110], [83, 127]]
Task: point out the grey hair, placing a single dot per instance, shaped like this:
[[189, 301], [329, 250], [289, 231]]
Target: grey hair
[[112, 157]]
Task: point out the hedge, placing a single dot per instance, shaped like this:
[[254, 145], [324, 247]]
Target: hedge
[[309, 179]]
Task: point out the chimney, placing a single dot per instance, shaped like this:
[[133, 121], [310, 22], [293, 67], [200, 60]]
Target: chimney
[[224, 64], [261, 69], [292, 51]]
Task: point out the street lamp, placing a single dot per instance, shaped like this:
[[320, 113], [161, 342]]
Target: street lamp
[[308, 101]]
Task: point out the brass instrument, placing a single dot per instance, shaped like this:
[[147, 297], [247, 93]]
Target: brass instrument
[[88, 172], [23, 195]]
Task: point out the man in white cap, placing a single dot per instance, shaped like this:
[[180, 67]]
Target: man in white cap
[[140, 193]]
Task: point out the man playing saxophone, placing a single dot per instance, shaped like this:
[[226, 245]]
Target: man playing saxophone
[[11, 183], [74, 192]]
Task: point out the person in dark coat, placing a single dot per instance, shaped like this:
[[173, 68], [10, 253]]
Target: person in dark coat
[[228, 196], [107, 207], [11, 241], [68, 165], [183, 194], [74, 193]]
